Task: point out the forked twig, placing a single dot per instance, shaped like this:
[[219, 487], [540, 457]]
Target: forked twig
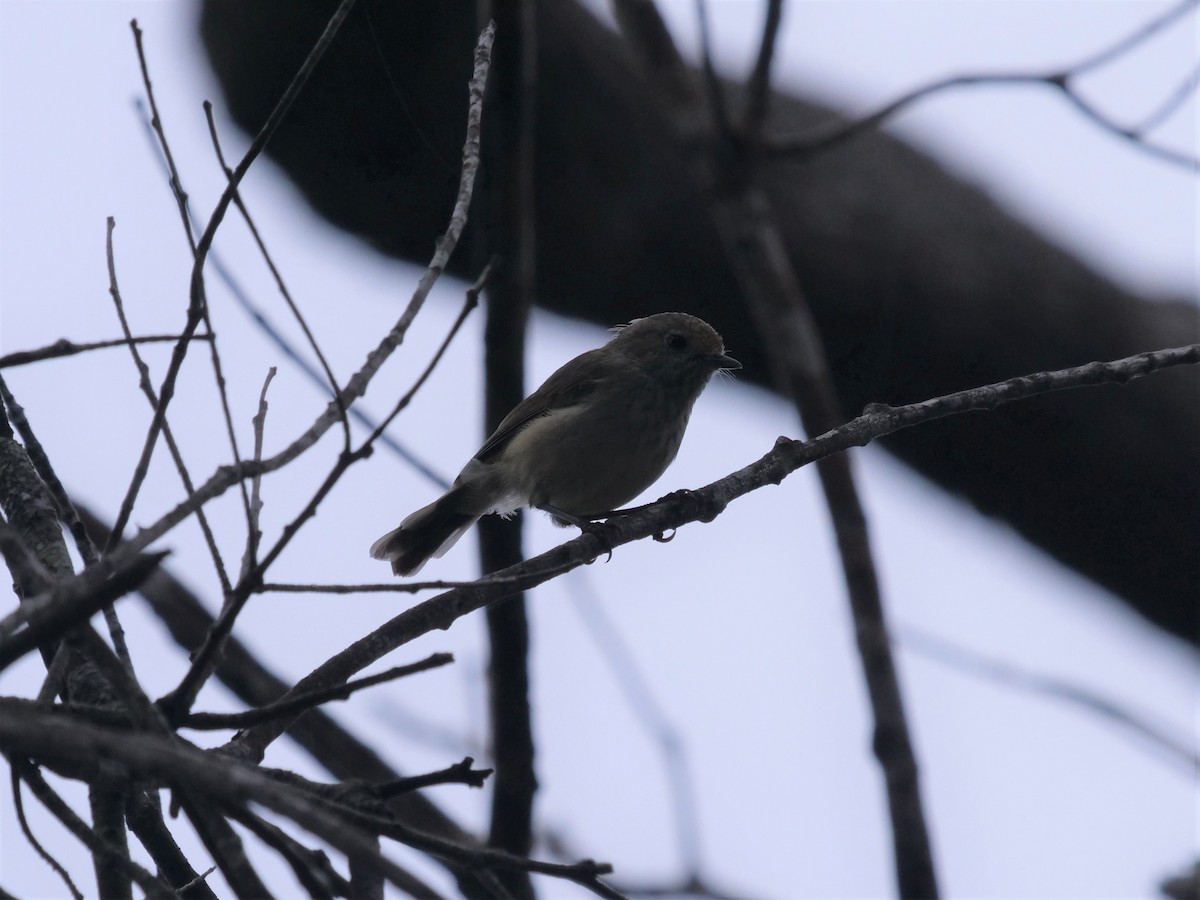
[[822, 138]]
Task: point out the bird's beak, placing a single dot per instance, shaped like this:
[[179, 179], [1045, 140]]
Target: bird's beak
[[724, 361]]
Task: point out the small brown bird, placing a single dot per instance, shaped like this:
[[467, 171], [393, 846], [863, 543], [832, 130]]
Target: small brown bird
[[600, 431]]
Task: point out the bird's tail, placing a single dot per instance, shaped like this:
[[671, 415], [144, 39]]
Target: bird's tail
[[427, 533]]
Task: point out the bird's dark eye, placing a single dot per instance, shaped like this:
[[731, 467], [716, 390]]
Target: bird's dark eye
[[676, 342]]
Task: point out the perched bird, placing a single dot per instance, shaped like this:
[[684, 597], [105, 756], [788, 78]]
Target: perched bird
[[600, 431]]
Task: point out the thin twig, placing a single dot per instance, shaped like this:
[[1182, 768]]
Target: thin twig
[[822, 138], [181, 199], [254, 531], [459, 773], [469, 305], [154, 887], [147, 388], [215, 721], [177, 191], [19, 807], [1123, 45], [63, 347], [1170, 104], [387, 587], [331, 379]]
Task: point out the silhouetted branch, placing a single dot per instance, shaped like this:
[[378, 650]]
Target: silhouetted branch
[[147, 388], [818, 140], [63, 347], [86, 751], [331, 379], [512, 229], [459, 773], [757, 254], [101, 849], [214, 721], [47, 857], [702, 505]]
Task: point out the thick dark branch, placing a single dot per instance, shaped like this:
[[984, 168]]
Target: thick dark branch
[[70, 603], [512, 229]]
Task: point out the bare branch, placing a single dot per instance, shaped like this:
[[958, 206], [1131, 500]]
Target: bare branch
[[331, 379], [63, 347], [459, 773], [147, 388], [69, 603], [253, 531], [701, 505], [1170, 104], [19, 806], [770, 289], [178, 703], [177, 191], [96, 754], [818, 140], [100, 849], [298, 704], [758, 86], [311, 867]]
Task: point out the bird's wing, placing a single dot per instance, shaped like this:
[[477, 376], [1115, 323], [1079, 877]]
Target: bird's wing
[[565, 388]]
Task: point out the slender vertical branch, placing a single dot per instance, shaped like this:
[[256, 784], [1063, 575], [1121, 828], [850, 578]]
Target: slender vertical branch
[[511, 226], [771, 291]]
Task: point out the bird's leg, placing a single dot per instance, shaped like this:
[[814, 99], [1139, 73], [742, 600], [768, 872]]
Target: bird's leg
[[566, 518], [585, 525]]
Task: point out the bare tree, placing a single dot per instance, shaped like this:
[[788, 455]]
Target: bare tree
[[99, 721]]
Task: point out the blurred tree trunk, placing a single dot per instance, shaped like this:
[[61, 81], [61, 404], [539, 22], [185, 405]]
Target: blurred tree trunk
[[921, 285]]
